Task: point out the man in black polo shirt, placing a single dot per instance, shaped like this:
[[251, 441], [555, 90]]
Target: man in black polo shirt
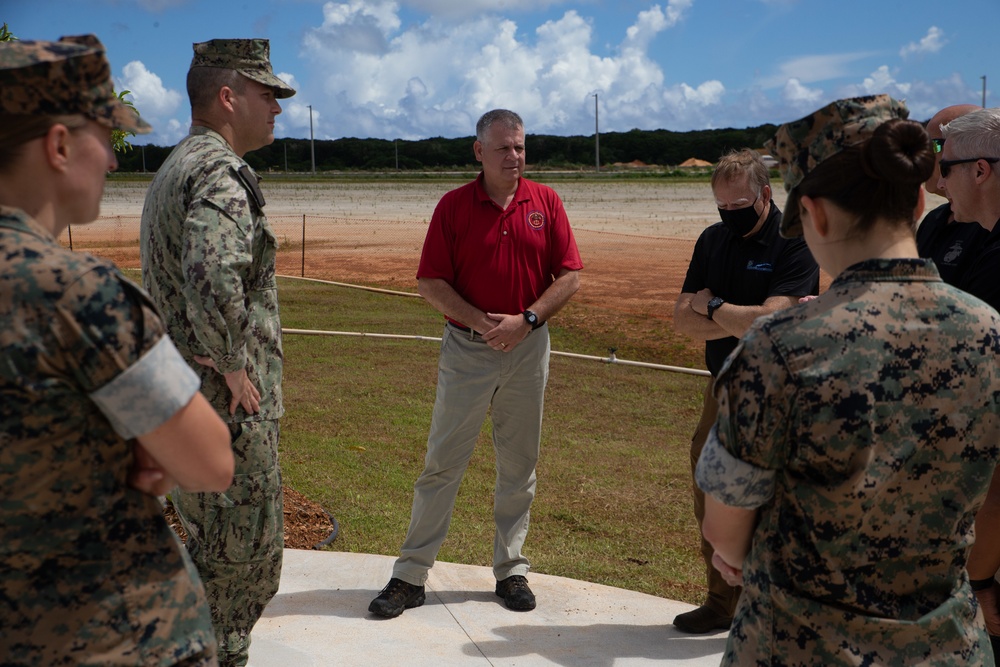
[[970, 176], [741, 269]]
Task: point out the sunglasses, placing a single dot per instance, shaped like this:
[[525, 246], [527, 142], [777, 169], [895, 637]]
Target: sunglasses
[[946, 165], [938, 145]]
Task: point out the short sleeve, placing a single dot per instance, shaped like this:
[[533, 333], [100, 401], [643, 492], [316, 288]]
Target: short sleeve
[[730, 480], [118, 352], [436, 258], [149, 392], [750, 440], [696, 277], [797, 273], [565, 253]]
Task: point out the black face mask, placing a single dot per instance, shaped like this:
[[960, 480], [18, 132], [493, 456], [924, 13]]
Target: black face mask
[[740, 221]]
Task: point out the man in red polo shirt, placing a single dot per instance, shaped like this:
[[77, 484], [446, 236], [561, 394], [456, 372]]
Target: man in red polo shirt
[[498, 261]]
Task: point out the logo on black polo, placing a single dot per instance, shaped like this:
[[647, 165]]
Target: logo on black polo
[[766, 267], [535, 219]]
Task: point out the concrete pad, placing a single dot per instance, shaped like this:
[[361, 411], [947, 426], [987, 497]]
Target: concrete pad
[[320, 617]]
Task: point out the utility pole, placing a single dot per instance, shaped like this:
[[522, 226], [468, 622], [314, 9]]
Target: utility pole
[[312, 142], [597, 137], [286, 156], [143, 147], [396, 146], [983, 77]]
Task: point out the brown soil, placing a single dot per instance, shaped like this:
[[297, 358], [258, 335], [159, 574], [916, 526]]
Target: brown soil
[[306, 523]]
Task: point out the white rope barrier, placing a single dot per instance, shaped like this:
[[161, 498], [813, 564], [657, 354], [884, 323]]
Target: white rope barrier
[[360, 287], [610, 359]]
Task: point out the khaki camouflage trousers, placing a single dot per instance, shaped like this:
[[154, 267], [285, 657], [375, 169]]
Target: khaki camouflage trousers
[[236, 538]]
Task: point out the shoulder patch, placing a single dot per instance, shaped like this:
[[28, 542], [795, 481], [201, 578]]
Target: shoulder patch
[[251, 184]]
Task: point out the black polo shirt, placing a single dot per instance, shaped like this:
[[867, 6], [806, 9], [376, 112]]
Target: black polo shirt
[[747, 272], [953, 247], [982, 276]]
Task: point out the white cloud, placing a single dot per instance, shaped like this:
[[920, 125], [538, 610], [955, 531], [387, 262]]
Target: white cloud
[[437, 77], [810, 69], [795, 93], [295, 114], [879, 81], [151, 98], [932, 42], [357, 26], [449, 9], [288, 78], [654, 21]]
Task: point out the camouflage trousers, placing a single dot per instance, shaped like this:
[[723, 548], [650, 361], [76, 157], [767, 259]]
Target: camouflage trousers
[[236, 538]]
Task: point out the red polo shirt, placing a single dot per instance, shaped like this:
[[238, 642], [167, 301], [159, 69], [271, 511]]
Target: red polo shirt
[[499, 260]]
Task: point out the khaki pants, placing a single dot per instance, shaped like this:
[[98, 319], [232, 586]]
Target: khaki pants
[[721, 596], [474, 379], [236, 538]]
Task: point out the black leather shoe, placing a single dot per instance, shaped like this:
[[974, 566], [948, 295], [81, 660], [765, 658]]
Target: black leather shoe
[[395, 597], [702, 620], [515, 593]]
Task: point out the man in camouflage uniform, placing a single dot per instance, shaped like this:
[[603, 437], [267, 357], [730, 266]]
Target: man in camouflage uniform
[[857, 435], [208, 258], [90, 572]]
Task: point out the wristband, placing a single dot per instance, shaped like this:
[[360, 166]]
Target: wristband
[[981, 584]]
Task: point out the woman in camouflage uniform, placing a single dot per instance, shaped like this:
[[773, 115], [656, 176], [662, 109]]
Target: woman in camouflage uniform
[[857, 432], [98, 411]]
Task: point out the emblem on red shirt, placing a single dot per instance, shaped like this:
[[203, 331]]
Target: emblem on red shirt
[[536, 219]]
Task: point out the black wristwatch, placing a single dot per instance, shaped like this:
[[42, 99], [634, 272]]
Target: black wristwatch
[[713, 305], [531, 318]]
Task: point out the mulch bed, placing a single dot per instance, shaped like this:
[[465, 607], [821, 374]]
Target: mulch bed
[[306, 523]]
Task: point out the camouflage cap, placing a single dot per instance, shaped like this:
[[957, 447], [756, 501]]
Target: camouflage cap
[[71, 76], [802, 144], [249, 57]]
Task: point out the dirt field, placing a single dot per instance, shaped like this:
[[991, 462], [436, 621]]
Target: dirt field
[[636, 237]]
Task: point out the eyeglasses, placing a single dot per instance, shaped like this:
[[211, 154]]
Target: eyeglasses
[[938, 145], [946, 165]]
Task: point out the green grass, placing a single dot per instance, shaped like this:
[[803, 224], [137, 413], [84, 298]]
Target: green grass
[[613, 504]]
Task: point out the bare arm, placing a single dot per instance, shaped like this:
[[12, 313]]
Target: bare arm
[[557, 295], [694, 324], [691, 315], [502, 331], [447, 301], [729, 530], [512, 327], [192, 448]]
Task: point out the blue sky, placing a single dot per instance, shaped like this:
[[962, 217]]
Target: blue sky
[[413, 69]]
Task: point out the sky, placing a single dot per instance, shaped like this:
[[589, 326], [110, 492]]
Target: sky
[[413, 69]]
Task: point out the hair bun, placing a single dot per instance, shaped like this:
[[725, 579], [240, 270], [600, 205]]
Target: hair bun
[[899, 151]]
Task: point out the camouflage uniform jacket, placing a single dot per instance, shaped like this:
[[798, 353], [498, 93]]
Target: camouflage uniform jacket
[[864, 426], [90, 573], [208, 260]]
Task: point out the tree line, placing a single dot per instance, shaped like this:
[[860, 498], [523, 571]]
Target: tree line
[[652, 147]]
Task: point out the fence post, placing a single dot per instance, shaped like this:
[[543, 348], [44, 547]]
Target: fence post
[[303, 245]]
